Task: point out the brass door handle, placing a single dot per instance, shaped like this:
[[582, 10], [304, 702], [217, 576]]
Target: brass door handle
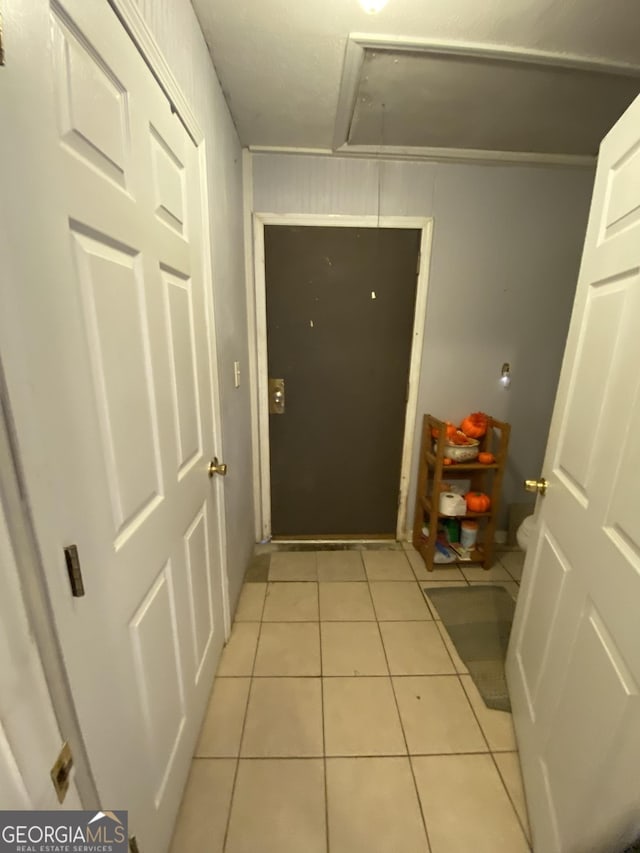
[[216, 467], [539, 486]]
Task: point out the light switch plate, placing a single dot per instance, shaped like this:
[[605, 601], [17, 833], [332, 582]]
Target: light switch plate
[[236, 374]]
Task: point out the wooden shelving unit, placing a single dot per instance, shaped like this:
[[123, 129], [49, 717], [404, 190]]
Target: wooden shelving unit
[[432, 472]]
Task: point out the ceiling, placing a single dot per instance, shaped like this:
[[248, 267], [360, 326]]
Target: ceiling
[[542, 79]]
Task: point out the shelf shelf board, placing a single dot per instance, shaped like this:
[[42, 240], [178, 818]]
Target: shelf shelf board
[[426, 503], [462, 466], [470, 466], [477, 556]]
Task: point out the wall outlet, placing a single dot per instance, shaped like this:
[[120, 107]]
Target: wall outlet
[[236, 374]]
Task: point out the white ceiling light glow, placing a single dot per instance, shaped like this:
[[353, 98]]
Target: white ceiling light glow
[[372, 7]]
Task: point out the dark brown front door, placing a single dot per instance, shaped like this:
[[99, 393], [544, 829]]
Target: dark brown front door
[[340, 311]]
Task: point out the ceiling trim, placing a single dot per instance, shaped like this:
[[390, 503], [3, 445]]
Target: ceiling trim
[[504, 52], [290, 149], [348, 92], [456, 155], [358, 43], [476, 155]]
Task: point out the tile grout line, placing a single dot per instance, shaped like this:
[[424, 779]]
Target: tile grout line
[[446, 647], [301, 758], [434, 618], [491, 753], [475, 716], [504, 785], [393, 687], [244, 719], [324, 734], [509, 572], [477, 719], [459, 677], [348, 675], [404, 735], [350, 755]]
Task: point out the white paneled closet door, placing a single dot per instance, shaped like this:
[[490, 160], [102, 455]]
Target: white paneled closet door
[[106, 345]]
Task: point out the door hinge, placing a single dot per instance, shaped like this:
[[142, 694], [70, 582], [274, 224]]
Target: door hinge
[[75, 572], [61, 772], [1, 42], [133, 845]]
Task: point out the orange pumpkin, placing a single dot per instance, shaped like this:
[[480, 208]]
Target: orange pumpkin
[[475, 425], [459, 439], [447, 461], [485, 458], [450, 430], [477, 501]]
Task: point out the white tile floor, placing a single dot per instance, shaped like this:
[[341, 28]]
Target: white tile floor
[[342, 720]]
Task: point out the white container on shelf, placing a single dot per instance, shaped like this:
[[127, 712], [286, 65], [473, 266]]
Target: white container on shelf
[[460, 452], [469, 534]]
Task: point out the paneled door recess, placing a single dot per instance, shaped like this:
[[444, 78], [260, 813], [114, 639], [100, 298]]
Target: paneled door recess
[[340, 313], [105, 341], [574, 660]]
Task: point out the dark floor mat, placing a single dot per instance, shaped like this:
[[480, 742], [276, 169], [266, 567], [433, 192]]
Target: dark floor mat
[[478, 620]]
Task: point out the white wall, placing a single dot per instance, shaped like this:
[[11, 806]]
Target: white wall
[[506, 249], [176, 29]]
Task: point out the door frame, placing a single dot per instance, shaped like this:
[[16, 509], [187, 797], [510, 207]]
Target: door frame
[[262, 479]]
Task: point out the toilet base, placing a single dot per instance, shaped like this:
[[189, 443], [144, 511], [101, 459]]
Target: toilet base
[[523, 533]]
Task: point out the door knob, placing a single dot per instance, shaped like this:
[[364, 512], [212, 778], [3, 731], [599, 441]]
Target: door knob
[[216, 467], [539, 486]]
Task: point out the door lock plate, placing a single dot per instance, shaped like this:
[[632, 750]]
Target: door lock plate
[[61, 772], [276, 396], [74, 571]]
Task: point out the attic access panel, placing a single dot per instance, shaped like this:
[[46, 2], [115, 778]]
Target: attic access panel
[[439, 100]]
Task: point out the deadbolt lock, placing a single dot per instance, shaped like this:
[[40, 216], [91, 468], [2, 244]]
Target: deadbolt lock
[[276, 396]]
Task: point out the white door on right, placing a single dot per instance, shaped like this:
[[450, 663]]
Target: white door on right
[[574, 660]]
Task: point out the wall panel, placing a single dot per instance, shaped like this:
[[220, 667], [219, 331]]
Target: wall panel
[[506, 249]]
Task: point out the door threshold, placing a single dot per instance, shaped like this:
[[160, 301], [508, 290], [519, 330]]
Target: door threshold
[[356, 539], [325, 544]]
